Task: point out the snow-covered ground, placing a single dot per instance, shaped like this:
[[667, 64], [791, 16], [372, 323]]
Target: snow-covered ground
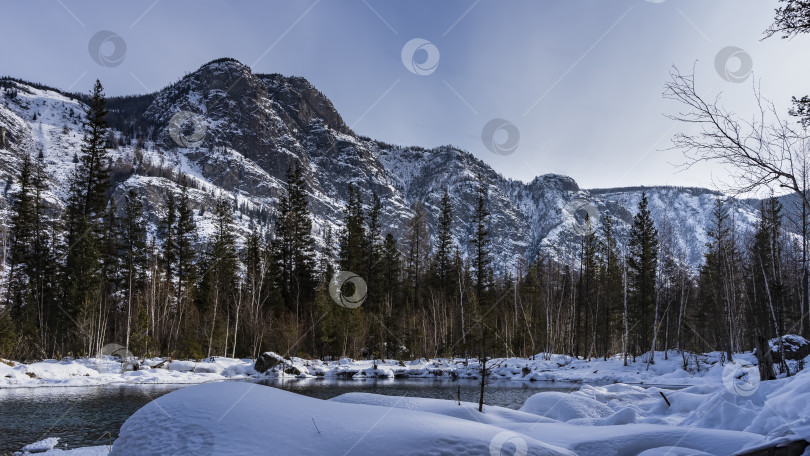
[[618, 409], [704, 369], [107, 370], [238, 418]]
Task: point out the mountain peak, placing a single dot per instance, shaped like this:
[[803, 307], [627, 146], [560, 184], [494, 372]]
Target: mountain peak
[[224, 63]]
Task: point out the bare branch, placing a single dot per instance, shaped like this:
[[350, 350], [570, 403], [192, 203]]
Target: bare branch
[[761, 152]]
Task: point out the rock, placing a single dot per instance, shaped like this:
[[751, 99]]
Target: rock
[[267, 361], [795, 348], [796, 448]]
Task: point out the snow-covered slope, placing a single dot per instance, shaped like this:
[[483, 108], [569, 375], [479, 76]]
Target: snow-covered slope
[[254, 126]]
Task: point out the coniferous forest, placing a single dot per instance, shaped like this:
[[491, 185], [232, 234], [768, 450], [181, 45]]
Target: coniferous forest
[[92, 274]]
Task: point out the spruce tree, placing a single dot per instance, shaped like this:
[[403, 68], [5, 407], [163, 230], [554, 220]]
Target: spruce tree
[[42, 269], [642, 262], [611, 279], [133, 250], [185, 238], [293, 245], [717, 279], [353, 237], [167, 230], [83, 225], [220, 273], [769, 291], [373, 246], [588, 300], [480, 241], [21, 234], [390, 274], [22, 317], [417, 244], [444, 242]]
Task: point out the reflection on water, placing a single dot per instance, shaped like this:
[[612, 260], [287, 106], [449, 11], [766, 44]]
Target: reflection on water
[[86, 416], [79, 416], [502, 393]]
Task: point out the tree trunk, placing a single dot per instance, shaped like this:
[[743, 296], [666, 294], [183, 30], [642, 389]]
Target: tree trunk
[[764, 358]]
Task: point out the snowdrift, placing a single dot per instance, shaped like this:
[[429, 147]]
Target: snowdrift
[[235, 418]]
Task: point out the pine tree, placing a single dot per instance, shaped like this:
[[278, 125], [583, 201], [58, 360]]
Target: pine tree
[[133, 249], [390, 273], [42, 269], [769, 290], [718, 277], [374, 302], [353, 238], [221, 268], [167, 230], [444, 242], [185, 236], [22, 315], [346, 324], [83, 224], [20, 239], [417, 244], [588, 300], [293, 245], [480, 242], [611, 279], [92, 174], [642, 262], [373, 245], [255, 287]]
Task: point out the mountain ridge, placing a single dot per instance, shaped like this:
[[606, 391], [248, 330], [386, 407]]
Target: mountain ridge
[[257, 125]]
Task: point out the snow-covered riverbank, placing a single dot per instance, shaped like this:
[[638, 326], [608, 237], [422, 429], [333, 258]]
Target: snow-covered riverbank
[[724, 408], [699, 370], [238, 418]]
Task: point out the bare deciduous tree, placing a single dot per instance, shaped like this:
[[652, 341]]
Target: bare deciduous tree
[[766, 151]]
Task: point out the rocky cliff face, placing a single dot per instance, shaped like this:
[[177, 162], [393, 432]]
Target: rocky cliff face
[[243, 130]]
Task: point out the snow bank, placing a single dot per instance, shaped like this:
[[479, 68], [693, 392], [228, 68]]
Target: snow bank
[[465, 410], [41, 446], [705, 369], [615, 434], [108, 370], [241, 418], [785, 416], [566, 407], [616, 419], [235, 418], [46, 447]]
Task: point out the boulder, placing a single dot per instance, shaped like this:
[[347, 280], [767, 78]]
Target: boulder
[[795, 348], [267, 361]]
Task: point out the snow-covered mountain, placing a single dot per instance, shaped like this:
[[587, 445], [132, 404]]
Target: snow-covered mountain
[[243, 130]]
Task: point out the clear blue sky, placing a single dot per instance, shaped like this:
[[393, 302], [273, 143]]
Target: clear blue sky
[[580, 79]]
